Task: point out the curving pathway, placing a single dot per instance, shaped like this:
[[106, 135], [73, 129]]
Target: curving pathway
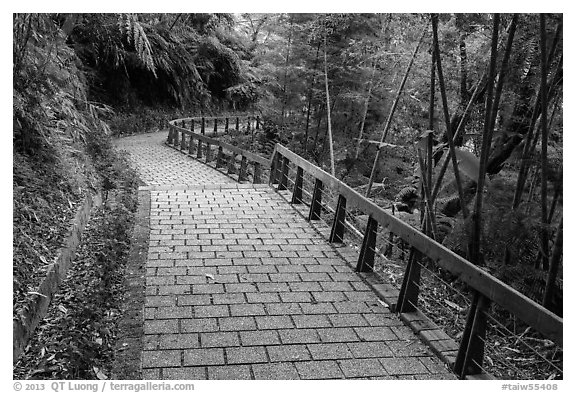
[[240, 286]]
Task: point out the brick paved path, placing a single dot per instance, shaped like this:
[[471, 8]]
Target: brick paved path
[[240, 286]]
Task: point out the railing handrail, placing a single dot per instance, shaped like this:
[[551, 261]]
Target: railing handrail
[[532, 313]]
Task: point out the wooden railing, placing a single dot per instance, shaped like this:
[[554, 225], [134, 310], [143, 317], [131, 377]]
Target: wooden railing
[[196, 137], [289, 168], [309, 184]]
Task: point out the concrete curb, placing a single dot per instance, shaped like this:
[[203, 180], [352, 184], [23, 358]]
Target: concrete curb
[[27, 320], [129, 344]]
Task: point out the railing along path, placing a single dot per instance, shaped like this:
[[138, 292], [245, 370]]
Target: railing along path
[[309, 183]]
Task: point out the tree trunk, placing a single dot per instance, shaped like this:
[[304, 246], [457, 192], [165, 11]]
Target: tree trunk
[[554, 266], [284, 95], [447, 116], [365, 113], [330, 142], [475, 255], [544, 126]]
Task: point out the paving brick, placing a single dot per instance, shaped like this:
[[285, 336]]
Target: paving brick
[[280, 371], [273, 287], [408, 348], [283, 309], [245, 310], [361, 296], [328, 369], [160, 358], [219, 339], [197, 325], [173, 289], [268, 297], [262, 269], [288, 353], [376, 349], [237, 323], [184, 373], [347, 320], [352, 307], [290, 268], [173, 312], [160, 301], [317, 308], [400, 366], [379, 333], [329, 351], [305, 286], [274, 322], [211, 311], [311, 321], [296, 297], [178, 341], [235, 372], [229, 298], [354, 368], [151, 373], [246, 355], [337, 335], [269, 337], [335, 286], [203, 356], [163, 326], [207, 288], [299, 336], [232, 270], [193, 300], [242, 287]]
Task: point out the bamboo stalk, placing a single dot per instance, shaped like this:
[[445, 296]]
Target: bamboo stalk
[[486, 143], [447, 116], [544, 126], [332, 168]]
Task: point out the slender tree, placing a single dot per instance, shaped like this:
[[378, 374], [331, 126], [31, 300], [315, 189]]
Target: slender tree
[[330, 142], [544, 126]]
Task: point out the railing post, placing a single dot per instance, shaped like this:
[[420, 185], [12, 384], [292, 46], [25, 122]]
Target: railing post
[[316, 204], [183, 140], [191, 145], [226, 126], [170, 135], [237, 123], [274, 170], [297, 193], [175, 140], [215, 126], [366, 258], [471, 351], [257, 122], [203, 126], [257, 173], [199, 150], [231, 163], [219, 157], [410, 289], [242, 173], [247, 126], [337, 232], [208, 152], [192, 124], [284, 175]]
